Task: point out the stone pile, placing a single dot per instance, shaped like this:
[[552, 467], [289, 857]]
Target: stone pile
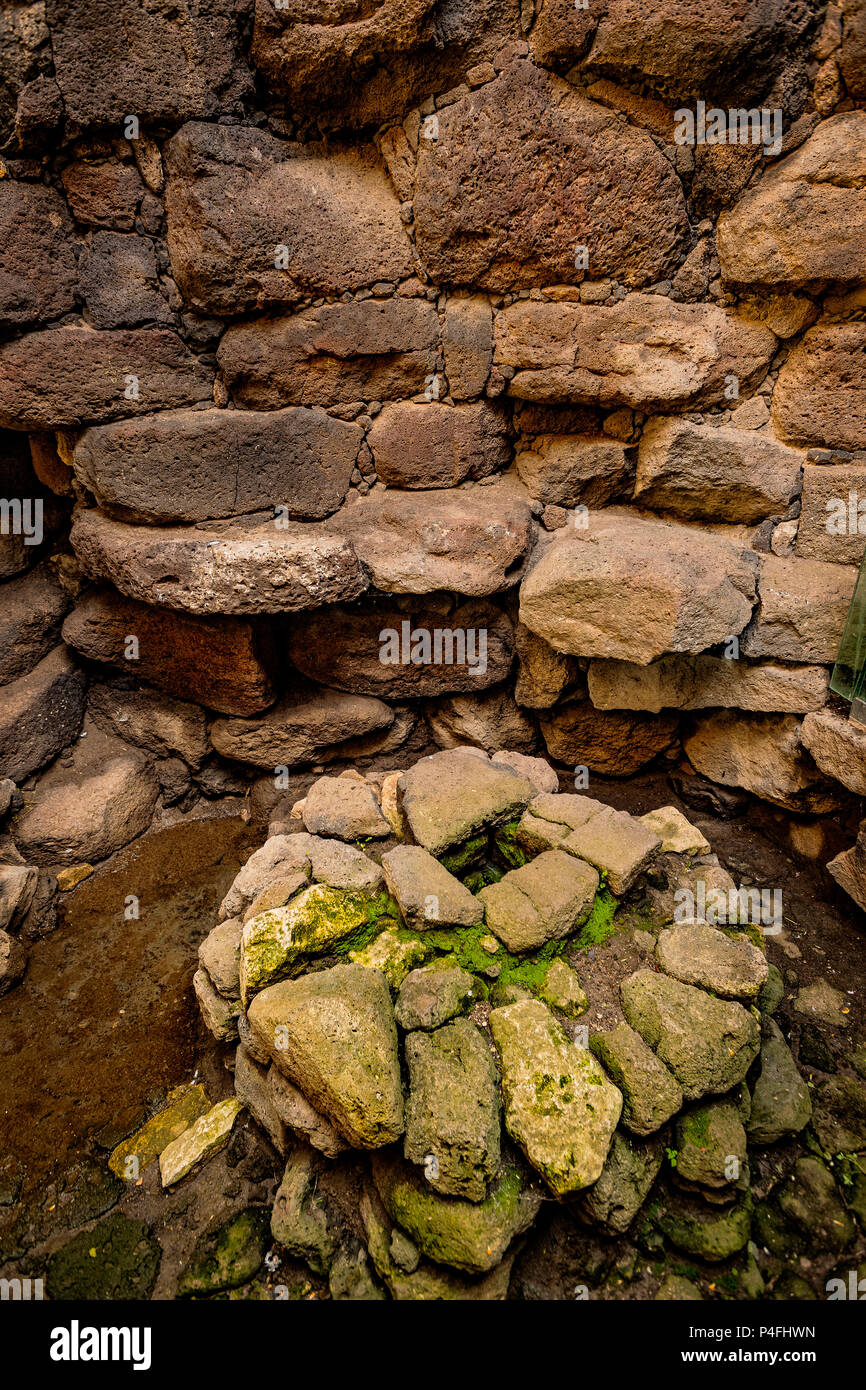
[[411, 991]]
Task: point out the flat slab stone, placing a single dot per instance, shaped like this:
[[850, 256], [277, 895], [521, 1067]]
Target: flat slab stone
[[369, 349], [696, 589], [427, 894], [450, 796], [345, 809], [646, 352], [472, 540], [707, 682], [651, 1095], [699, 954], [708, 1044], [192, 465], [275, 943], [205, 1137], [186, 1104], [63, 378], [467, 1235], [332, 1033], [452, 1112], [300, 728], [225, 663], [613, 842], [544, 900], [223, 568], [559, 1105]]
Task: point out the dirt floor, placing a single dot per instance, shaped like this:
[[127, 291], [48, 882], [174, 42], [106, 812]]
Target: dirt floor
[[104, 1025]]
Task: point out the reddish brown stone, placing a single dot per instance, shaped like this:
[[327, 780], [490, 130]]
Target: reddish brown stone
[[223, 663]]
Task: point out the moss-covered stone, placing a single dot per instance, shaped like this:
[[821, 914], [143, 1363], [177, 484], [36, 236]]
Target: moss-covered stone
[[332, 1033], [278, 944], [559, 1105], [395, 952], [452, 1111], [809, 1200], [630, 1170], [471, 1236], [205, 1137], [561, 989], [226, 1256], [651, 1095], [184, 1106], [711, 1144], [709, 1044], [706, 1233]]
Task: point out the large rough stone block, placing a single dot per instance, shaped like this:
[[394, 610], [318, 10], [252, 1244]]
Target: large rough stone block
[[830, 519], [650, 1093], [65, 377], [395, 653], [545, 900], [32, 610], [429, 897], [467, 340], [489, 719], [805, 222], [706, 682], [613, 842], [838, 747], [472, 540], [161, 65], [646, 352], [452, 1110], [368, 350], [225, 664], [567, 470], [801, 610], [764, 755], [235, 195], [37, 267], [714, 473], [419, 446], [41, 714], [691, 50], [333, 1035], [634, 589], [513, 183], [853, 55], [820, 397], [468, 1235], [707, 1043], [89, 809], [231, 567], [612, 742], [360, 65], [193, 465], [450, 796], [118, 278], [559, 1106]]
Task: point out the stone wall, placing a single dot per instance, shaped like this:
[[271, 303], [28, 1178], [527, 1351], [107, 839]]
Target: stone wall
[[417, 317]]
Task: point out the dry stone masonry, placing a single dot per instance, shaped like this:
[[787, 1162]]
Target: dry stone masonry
[[413, 415]]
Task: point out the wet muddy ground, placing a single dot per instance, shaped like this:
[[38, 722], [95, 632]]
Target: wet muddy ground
[[104, 1025]]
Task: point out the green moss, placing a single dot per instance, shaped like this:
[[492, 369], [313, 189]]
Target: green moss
[[513, 855], [599, 925], [695, 1127], [481, 877], [461, 857]]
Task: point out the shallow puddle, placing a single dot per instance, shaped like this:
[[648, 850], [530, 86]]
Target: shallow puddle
[[105, 1019]]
